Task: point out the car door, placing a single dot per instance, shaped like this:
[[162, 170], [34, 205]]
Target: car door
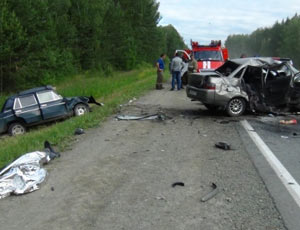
[[27, 108], [51, 105], [277, 83]]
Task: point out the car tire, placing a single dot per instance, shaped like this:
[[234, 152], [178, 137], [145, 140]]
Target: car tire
[[236, 107], [16, 128], [211, 107], [81, 109]]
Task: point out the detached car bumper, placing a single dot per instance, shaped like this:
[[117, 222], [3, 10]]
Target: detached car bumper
[[204, 95]]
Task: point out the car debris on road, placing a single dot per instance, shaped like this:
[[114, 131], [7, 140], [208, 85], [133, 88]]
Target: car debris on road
[[288, 122], [157, 116], [25, 174], [211, 194], [177, 184], [223, 145], [79, 131]]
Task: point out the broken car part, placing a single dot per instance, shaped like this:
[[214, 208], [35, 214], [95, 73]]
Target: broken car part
[[158, 116], [210, 194], [93, 101], [177, 184], [288, 122], [79, 131], [25, 174], [223, 145]]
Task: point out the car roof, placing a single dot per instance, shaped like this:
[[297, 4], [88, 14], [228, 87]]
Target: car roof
[[33, 90], [255, 61]]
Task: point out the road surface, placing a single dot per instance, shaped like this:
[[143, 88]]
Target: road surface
[[120, 175]]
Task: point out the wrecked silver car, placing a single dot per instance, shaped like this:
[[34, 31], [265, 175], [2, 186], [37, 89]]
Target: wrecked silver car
[[258, 84]]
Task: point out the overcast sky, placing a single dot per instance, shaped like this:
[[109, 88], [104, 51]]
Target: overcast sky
[[206, 20]]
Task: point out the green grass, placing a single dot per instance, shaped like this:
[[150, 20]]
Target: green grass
[[112, 91]]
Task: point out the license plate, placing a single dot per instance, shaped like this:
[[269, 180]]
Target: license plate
[[192, 92]]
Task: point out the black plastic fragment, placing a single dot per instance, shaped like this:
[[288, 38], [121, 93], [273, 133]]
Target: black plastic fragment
[[93, 101], [53, 154], [79, 131], [223, 145], [177, 184]]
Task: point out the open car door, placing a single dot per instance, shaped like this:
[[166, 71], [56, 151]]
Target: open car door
[[276, 84]]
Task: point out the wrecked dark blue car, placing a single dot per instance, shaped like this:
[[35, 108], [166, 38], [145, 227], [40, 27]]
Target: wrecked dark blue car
[[37, 106]]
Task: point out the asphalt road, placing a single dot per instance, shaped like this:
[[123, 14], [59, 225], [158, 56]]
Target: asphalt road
[[120, 175], [283, 142]]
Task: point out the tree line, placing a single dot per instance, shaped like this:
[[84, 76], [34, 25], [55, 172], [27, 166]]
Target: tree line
[[280, 40], [42, 41]]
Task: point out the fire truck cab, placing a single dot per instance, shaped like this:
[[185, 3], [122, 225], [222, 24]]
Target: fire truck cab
[[208, 57]]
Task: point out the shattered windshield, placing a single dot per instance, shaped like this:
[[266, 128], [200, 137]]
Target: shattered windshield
[[206, 55], [227, 68]]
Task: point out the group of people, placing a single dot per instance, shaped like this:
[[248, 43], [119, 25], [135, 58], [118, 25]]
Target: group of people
[[176, 66]]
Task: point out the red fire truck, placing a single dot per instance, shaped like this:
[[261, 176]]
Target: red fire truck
[[208, 57]]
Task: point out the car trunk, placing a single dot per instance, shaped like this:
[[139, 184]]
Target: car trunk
[[202, 80]]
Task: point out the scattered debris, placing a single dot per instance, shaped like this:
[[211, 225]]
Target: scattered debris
[[228, 121], [25, 173], [79, 131], [223, 145], [177, 184], [157, 116], [161, 198], [288, 122], [284, 137], [53, 154], [211, 194]]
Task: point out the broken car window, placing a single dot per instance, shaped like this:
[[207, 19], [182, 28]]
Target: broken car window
[[227, 68]]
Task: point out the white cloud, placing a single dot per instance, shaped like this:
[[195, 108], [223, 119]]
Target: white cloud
[[204, 20]]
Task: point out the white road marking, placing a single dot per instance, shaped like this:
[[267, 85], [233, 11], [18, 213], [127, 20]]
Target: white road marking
[[283, 174]]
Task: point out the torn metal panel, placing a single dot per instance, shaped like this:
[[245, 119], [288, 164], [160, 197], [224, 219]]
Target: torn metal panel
[[158, 116]]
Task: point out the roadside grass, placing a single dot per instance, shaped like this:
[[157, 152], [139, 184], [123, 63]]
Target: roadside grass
[[112, 91]]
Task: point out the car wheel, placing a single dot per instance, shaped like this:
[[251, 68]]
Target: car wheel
[[16, 128], [211, 107], [236, 107], [81, 109]]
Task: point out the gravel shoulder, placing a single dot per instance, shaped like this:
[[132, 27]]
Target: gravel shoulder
[[119, 176]]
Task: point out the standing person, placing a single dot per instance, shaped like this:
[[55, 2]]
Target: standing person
[[176, 66], [160, 65], [194, 64]]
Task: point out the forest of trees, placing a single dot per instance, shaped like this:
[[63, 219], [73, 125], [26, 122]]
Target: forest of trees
[[280, 40], [42, 41]]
